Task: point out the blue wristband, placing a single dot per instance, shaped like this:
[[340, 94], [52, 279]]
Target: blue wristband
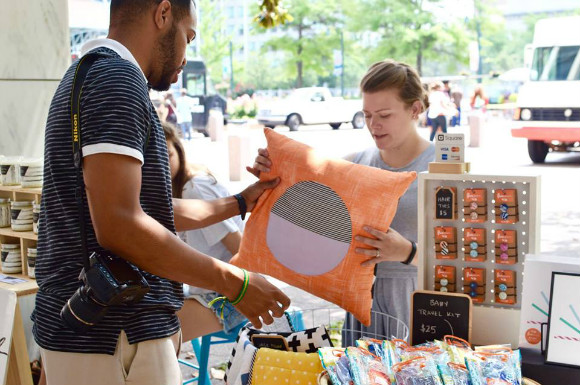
[[241, 205]]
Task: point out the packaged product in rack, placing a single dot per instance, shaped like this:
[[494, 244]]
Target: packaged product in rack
[[506, 206], [505, 287], [5, 212], [21, 212], [35, 216], [475, 205], [11, 258], [31, 259], [474, 283], [445, 242], [474, 241], [445, 278], [31, 173], [10, 171], [446, 203], [506, 247]]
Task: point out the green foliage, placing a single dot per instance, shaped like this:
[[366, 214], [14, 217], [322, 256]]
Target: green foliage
[[309, 40], [213, 41]]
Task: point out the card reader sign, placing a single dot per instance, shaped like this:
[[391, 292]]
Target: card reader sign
[[450, 148]]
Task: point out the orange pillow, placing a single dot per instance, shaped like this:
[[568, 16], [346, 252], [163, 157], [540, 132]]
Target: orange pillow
[[302, 232]]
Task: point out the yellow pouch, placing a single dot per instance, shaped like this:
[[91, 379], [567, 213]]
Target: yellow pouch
[[275, 367]]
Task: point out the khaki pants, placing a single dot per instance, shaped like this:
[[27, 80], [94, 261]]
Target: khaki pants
[[145, 363]]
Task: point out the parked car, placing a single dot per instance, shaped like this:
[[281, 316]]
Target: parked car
[[312, 105]]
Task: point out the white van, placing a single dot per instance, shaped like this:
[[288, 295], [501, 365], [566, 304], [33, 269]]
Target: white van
[[548, 112]]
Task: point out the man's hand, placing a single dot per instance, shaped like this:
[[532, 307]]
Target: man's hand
[[254, 191], [262, 301]]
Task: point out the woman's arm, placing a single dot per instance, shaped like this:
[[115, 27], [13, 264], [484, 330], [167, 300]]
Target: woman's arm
[[232, 242]]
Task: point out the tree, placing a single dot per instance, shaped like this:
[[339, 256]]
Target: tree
[[212, 41], [309, 39], [406, 30]]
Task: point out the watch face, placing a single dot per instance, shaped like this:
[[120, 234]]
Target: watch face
[[473, 206], [443, 289], [503, 295], [443, 282]]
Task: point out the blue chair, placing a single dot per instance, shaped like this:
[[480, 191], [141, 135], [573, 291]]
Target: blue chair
[[201, 351]]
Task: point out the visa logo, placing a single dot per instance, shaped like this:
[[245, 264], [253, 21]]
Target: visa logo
[[444, 148]]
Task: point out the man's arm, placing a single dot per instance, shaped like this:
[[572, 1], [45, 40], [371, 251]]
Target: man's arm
[[193, 214], [113, 184]]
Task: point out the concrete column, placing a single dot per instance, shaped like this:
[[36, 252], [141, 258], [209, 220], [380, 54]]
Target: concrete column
[[34, 36]]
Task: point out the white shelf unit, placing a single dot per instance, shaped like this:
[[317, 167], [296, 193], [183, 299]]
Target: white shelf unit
[[25, 238], [493, 323]]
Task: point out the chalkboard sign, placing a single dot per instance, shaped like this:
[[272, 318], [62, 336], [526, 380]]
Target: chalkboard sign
[[445, 203], [435, 315], [269, 341]]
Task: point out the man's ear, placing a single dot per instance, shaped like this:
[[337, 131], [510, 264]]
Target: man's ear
[[417, 108], [163, 15]]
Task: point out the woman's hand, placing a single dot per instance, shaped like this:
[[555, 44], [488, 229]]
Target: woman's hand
[[389, 246], [254, 191], [262, 163]]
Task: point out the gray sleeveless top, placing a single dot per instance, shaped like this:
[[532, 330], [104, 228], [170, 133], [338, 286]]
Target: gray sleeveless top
[[405, 221]]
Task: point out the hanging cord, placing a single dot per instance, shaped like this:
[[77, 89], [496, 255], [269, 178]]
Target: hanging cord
[[222, 301]]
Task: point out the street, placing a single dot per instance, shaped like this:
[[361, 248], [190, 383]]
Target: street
[[499, 153]]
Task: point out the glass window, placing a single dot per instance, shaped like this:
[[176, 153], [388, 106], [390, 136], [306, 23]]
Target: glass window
[[194, 83], [230, 12], [240, 12], [556, 63]]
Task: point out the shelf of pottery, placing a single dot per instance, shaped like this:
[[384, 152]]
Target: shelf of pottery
[[20, 191]]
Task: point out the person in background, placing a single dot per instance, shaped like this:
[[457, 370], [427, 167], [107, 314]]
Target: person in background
[[170, 106], [221, 240], [183, 109], [439, 108], [456, 96], [478, 99], [393, 99]]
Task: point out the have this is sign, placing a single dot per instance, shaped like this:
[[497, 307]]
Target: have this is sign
[[436, 314]]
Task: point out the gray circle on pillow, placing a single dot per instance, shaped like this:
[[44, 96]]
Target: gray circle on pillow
[[309, 230]]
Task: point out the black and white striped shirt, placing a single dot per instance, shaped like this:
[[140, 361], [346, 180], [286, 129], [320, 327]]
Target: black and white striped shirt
[[115, 115]]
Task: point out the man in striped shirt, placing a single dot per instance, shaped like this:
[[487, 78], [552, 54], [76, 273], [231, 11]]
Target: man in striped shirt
[[128, 209]]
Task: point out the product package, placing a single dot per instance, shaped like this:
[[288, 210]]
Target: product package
[[475, 245], [474, 283], [475, 205], [506, 206], [505, 287], [445, 278], [506, 247], [366, 369], [445, 242]]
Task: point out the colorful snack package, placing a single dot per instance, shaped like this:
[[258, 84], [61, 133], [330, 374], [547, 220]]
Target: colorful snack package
[[491, 369], [458, 373], [419, 370], [366, 368], [457, 348], [338, 370]]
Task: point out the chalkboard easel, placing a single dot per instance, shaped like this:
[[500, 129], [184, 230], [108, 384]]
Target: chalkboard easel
[[435, 314]]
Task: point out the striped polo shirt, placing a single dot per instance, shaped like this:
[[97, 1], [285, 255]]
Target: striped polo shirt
[[115, 115]]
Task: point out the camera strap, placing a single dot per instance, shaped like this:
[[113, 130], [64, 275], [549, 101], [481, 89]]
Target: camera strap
[[83, 66]]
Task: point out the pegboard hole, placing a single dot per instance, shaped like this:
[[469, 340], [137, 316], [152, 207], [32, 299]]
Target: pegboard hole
[[524, 202], [523, 233], [523, 213], [524, 192]]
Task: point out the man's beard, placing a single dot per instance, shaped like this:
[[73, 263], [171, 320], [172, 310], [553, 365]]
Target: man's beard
[[166, 47]]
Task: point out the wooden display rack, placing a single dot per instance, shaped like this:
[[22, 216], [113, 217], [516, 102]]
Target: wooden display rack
[[493, 322], [27, 238], [19, 365]]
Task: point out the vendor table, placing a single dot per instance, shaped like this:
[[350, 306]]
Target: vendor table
[[533, 367]]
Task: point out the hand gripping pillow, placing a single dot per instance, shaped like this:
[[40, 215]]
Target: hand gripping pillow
[[302, 232]]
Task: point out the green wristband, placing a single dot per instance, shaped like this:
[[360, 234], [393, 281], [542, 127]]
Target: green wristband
[[244, 289]]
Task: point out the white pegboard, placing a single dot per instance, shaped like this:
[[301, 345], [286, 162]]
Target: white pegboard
[[527, 227]]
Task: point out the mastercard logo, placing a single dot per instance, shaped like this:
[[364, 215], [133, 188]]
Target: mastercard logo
[[454, 149]]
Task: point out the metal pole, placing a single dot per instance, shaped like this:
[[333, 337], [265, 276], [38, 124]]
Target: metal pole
[[342, 67], [231, 70]]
